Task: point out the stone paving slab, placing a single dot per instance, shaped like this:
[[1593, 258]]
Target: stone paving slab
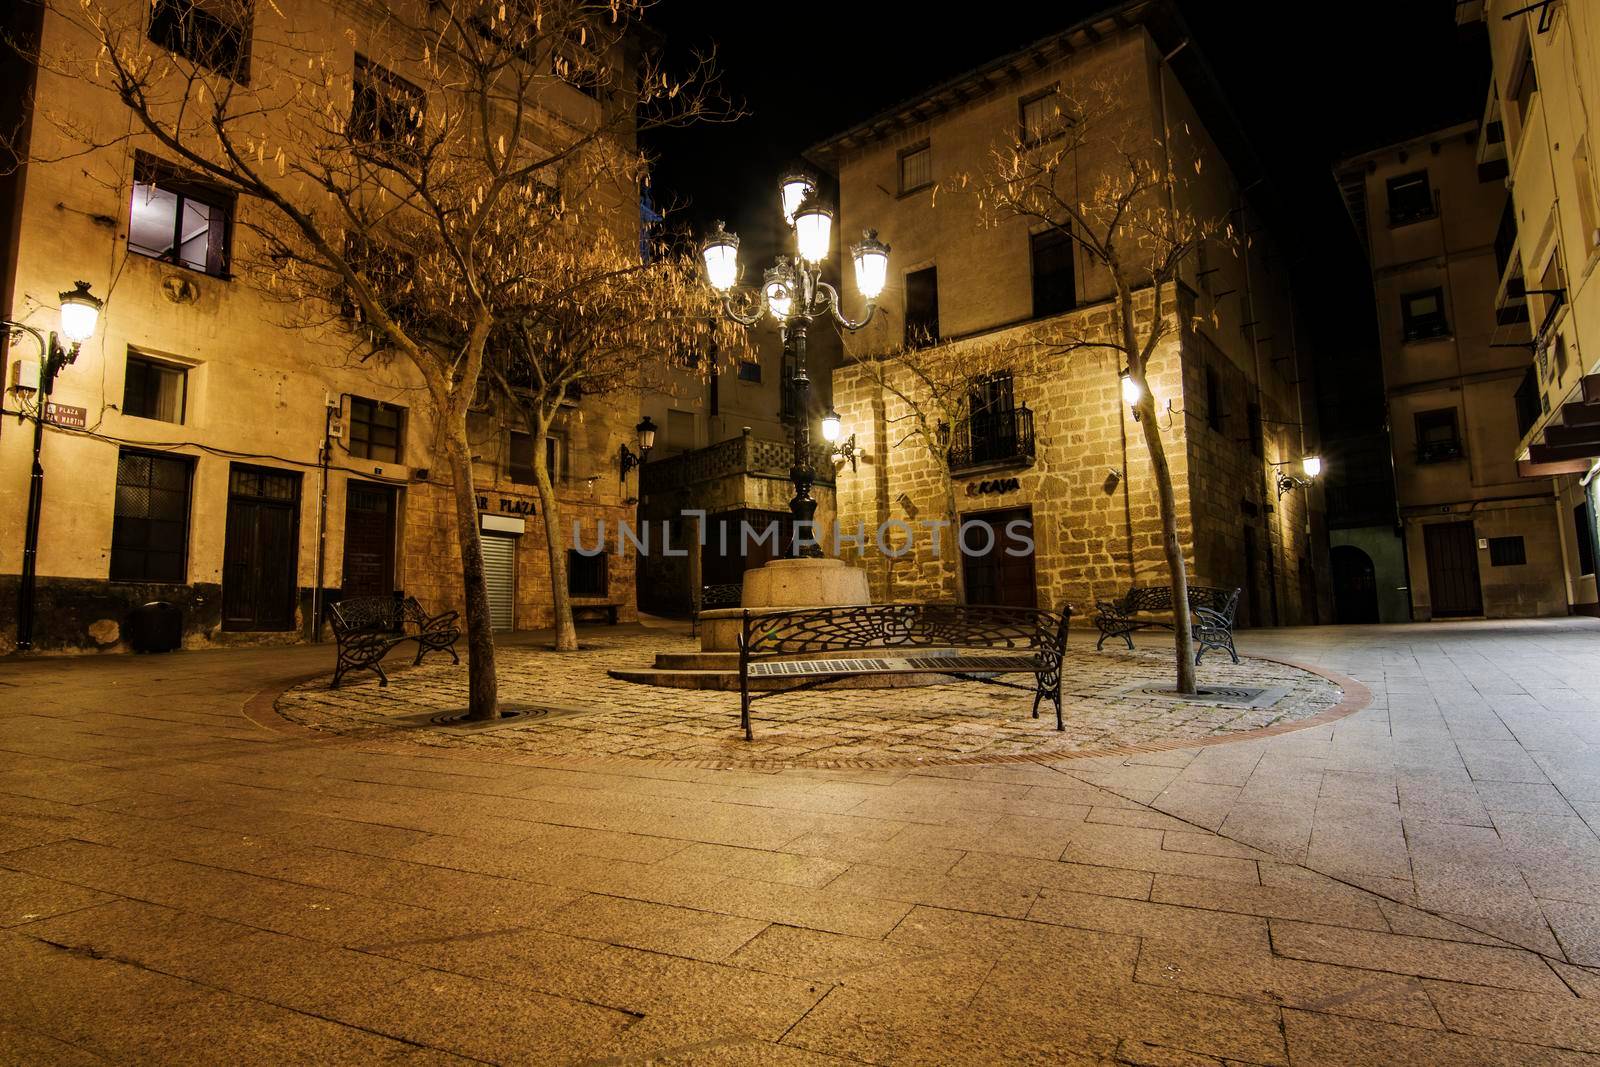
[[603, 717], [182, 886]]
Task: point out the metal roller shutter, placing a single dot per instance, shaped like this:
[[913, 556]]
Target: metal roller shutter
[[500, 574]]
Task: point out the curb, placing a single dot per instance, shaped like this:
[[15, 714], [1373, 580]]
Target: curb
[[261, 710]]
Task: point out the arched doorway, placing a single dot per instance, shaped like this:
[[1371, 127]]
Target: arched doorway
[[1355, 585]]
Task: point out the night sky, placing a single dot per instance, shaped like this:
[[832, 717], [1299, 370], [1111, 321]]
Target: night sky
[[1309, 83]]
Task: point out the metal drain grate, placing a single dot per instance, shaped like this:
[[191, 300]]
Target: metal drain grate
[[1244, 696]]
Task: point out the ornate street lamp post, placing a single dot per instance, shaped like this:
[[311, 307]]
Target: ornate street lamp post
[[793, 293], [80, 312]]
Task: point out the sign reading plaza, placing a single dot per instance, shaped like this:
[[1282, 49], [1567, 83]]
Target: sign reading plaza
[[893, 538]]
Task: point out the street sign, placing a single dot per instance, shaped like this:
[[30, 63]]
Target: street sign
[[65, 415]]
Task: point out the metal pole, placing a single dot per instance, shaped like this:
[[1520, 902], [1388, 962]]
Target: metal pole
[[802, 509], [30, 537]]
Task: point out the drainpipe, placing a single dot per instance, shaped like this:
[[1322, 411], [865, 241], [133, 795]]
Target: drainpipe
[[322, 524]]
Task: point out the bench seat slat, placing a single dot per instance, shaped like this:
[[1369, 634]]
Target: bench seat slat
[[897, 664]]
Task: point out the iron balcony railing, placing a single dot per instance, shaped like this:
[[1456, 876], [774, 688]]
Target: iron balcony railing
[[993, 439], [1439, 451]]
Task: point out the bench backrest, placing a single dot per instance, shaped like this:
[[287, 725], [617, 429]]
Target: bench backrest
[[787, 633], [1159, 598], [379, 614], [721, 595]]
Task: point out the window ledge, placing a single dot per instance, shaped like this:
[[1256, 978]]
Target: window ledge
[[924, 187], [226, 276], [1397, 223]]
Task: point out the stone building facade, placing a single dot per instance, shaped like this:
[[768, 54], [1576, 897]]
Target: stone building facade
[[1228, 378], [1480, 540], [210, 452]]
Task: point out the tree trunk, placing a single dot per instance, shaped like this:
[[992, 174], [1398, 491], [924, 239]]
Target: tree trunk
[[951, 546], [483, 699], [556, 543], [1170, 545]]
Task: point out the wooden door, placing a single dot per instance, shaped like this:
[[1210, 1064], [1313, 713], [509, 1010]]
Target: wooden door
[[1004, 573], [1453, 587], [261, 549], [368, 539]]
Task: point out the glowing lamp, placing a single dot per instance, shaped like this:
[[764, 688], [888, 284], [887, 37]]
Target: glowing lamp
[[813, 230], [872, 264], [80, 313], [721, 255]]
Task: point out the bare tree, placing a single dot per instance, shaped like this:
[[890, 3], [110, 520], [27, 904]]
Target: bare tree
[[605, 328], [942, 388], [417, 187], [1099, 178]]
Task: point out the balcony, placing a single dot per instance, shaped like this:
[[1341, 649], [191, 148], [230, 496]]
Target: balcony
[[735, 457], [993, 440], [1439, 451]]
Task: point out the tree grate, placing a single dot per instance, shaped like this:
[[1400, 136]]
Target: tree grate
[[1239, 695]]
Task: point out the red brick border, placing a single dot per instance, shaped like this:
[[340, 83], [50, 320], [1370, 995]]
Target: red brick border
[[262, 710]]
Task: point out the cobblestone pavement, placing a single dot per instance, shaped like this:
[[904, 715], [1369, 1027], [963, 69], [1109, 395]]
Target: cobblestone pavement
[[819, 728], [1410, 884]]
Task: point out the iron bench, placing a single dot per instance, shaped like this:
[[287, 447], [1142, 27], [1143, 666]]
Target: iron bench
[[722, 595], [1211, 614], [367, 627], [606, 609], [967, 643]]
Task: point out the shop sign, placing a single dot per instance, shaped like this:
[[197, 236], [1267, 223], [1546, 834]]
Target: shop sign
[[993, 486], [508, 505]]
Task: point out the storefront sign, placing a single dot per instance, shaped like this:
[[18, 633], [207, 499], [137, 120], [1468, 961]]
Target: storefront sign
[[993, 486], [508, 505], [63, 415]]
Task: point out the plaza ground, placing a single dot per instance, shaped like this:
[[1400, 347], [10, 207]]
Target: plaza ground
[[186, 877]]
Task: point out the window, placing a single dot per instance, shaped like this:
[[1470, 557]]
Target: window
[[1524, 85], [577, 63], [555, 456], [213, 33], [1410, 198], [177, 218], [1214, 413], [1041, 116], [680, 431], [389, 273], [1438, 436], [153, 390], [374, 429], [1585, 530], [150, 530], [922, 307], [916, 168], [1054, 290], [586, 575], [1258, 442], [1507, 552], [749, 370], [387, 109], [1422, 315], [521, 458]]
